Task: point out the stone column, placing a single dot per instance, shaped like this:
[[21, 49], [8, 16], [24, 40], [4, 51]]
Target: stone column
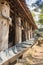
[[18, 37], [4, 32], [4, 24], [31, 31], [26, 32], [29, 34], [26, 35]]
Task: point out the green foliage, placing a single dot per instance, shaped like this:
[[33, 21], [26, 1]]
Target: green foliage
[[42, 10], [40, 15], [33, 14], [35, 9], [41, 6], [41, 19]]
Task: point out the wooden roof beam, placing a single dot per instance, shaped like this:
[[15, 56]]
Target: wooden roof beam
[[26, 12], [12, 11]]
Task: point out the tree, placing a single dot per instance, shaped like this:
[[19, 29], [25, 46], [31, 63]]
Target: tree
[[41, 18], [39, 5]]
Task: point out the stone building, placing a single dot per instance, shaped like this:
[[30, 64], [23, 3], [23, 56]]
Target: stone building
[[16, 23]]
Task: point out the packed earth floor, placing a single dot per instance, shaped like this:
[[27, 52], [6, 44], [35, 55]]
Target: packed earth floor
[[34, 56]]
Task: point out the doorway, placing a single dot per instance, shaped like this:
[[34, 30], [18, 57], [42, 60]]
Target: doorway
[[23, 36], [11, 40]]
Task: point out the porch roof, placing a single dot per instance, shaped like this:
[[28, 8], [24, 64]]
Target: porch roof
[[21, 6]]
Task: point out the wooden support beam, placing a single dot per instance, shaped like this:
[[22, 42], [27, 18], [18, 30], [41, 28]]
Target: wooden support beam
[[12, 11]]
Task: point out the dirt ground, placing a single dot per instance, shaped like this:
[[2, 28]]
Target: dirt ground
[[34, 56]]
